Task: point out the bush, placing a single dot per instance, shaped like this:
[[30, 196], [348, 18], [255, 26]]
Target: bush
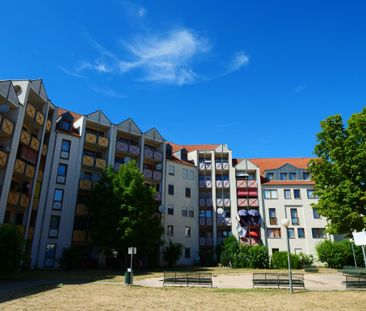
[[336, 254], [226, 251], [251, 257], [11, 249], [75, 257], [305, 260], [279, 260], [172, 253]]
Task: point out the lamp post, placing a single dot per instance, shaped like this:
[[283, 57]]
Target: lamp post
[[286, 222]]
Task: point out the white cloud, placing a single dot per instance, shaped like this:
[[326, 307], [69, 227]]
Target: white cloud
[[239, 60], [107, 92], [141, 12]]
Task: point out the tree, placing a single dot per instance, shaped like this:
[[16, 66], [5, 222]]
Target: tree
[[11, 249], [123, 212], [340, 173], [172, 253]]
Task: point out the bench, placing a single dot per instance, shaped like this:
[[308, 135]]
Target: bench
[[311, 269], [278, 280], [355, 281], [351, 270], [187, 278]]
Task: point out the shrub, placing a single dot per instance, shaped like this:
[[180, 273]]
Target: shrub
[[226, 251], [279, 260], [11, 249], [336, 254], [305, 260], [172, 253], [75, 257]]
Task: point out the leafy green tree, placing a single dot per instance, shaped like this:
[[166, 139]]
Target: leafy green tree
[[172, 253], [340, 173], [123, 212], [11, 249]]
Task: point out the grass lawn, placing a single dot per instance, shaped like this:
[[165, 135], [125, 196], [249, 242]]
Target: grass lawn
[[114, 296]]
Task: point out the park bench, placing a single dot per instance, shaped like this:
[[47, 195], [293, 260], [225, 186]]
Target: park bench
[[278, 280], [355, 281], [311, 269], [187, 278], [351, 270]]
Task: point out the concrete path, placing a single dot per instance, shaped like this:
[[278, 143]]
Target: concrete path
[[313, 281]]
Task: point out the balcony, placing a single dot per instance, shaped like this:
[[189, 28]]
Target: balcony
[[44, 149], [248, 202], [3, 158], [156, 176], [206, 184], [149, 153], [103, 141], [13, 198], [205, 221], [39, 118], [223, 221], [24, 200], [247, 192], [222, 166], [40, 175], [25, 137], [223, 202], [30, 111], [134, 150], [19, 166], [148, 174], [88, 161], [157, 196], [100, 163], [6, 128], [29, 171], [81, 209], [34, 144], [79, 236], [85, 184], [90, 138], [48, 125], [246, 184], [206, 241], [273, 221], [158, 156], [205, 202], [222, 184], [128, 148], [205, 166]]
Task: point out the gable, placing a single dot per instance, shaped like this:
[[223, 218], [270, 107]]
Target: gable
[[7, 90], [130, 127], [38, 87], [154, 135], [98, 117], [222, 148], [243, 165]]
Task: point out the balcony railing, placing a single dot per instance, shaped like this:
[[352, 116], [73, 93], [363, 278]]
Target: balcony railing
[[100, 163], [222, 166], [148, 153], [205, 202], [39, 118], [128, 148], [153, 155], [251, 192], [103, 141], [19, 166], [88, 160], [223, 202], [40, 175], [81, 209], [205, 184], [248, 202], [90, 138], [48, 125], [79, 236], [205, 166], [135, 150], [85, 184], [273, 221], [223, 221], [222, 184], [158, 156], [3, 158], [148, 174], [25, 137], [205, 221], [24, 200], [157, 196], [156, 176], [29, 171], [44, 149], [13, 197], [246, 183], [206, 241], [31, 111], [34, 144], [7, 127], [35, 114]]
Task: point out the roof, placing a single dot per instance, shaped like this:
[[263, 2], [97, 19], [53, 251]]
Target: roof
[[265, 164], [61, 111], [287, 182], [190, 148], [175, 159]]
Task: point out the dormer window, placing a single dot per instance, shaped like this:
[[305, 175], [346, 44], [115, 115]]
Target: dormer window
[[269, 176], [65, 125], [283, 176], [65, 122]]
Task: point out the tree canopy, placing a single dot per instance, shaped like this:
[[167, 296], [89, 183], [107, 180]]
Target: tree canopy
[[340, 172], [123, 211]]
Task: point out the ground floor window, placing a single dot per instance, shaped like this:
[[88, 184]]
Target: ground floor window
[[187, 253], [49, 258]]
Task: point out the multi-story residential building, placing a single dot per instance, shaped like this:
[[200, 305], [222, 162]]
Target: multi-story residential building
[[50, 159], [288, 192], [180, 216]]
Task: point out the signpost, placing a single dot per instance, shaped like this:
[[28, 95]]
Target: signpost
[[129, 276], [360, 240]]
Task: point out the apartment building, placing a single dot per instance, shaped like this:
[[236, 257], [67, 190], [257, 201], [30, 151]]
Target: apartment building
[[180, 215], [288, 192], [51, 158]]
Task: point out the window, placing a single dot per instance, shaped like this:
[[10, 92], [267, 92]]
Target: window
[[188, 232], [287, 194], [65, 125], [170, 230], [49, 259], [311, 194], [301, 233], [184, 212], [269, 176], [294, 216], [306, 176], [187, 253], [191, 175], [188, 192], [170, 209], [318, 233], [185, 173], [54, 226], [270, 194], [275, 250], [58, 197], [171, 189], [274, 233], [171, 170], [298, 251], [61, 173], [297, 194], [272, 216], [65, 149], [292, 176], [291, 233], [283, 176], [316, 213], [191, 213]]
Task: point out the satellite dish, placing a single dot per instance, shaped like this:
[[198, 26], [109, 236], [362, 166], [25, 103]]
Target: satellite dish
[[127, 159], [220, 211], [4, 108], [162, 208]]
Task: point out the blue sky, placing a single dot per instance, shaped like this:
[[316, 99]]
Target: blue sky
[[257, 75]]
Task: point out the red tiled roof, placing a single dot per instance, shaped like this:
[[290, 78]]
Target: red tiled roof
[[265, 164], [288, 182], [76, 116], [175, 159], [194, 147]]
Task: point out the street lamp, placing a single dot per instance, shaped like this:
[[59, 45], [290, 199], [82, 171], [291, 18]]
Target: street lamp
[[286, 222]]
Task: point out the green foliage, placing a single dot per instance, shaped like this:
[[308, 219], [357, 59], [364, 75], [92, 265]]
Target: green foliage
[[75, 257], [172, 253], [336, 254], [340, 173], [11, 249], [305, 260], [123, 212], [239, 255], [279, 260]]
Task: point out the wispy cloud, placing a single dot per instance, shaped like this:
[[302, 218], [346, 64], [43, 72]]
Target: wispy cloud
[[107, 92], [239, 60], [299, 89], [71, 72], [141, 12]]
